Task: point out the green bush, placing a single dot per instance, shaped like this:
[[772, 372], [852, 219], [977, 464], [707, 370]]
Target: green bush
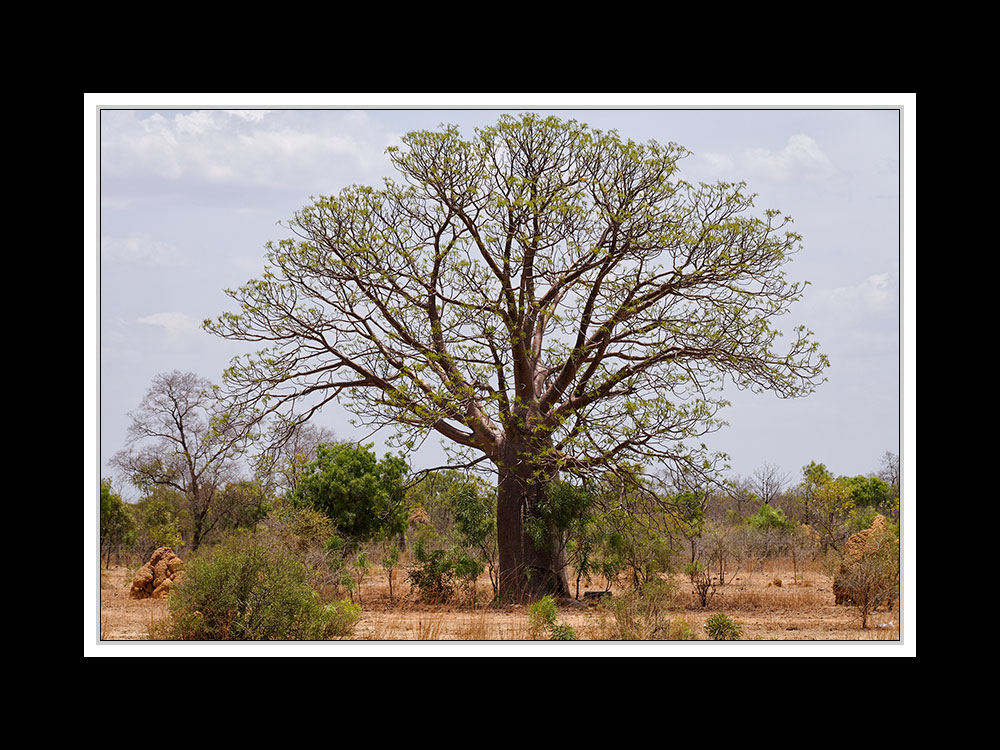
[[247, 590], [542, 615], [542, 619], [562, 632], [721, 628], [769, 517], [433, 576], [118, 532], [363, 496], [437, 571]]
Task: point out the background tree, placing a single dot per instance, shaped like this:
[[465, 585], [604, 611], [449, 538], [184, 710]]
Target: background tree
[[362, 495], [889, 470], [474, 510], [738, 496], [286, 453], [180, 438], [769, 482], [160, 521], [116, 523], [241, 505], [829, 505], [547, 297]]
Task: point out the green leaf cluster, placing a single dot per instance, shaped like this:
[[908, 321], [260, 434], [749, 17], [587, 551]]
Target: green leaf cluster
[[362, 495]]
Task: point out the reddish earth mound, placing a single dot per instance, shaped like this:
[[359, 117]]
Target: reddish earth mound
[[154, 579]]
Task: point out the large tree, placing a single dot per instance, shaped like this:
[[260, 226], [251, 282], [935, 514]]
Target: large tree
[[547, 297]]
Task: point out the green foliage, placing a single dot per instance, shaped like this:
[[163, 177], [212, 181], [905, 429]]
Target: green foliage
[[438, 570], [457, 511], [868, 492], [118, 530], [636, 549], [770, 518], [159, 518], [542, 615], [721, 628], [360, 568], [541, 315], [310, 536], [245, 589], [341, 616], [621, 530], [815, 474], [561, 506], [562, 632], [467, 568], [432, 576], [829, 504], [474, 511], [364, 497], [543, 618], [681, 630]]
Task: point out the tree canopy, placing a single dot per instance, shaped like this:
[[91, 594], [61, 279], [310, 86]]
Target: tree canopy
[[545, 296], [363, 496]]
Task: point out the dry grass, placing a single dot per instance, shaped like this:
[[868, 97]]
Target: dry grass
[[791, 611]]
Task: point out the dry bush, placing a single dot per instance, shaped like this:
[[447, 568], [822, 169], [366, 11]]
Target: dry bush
[[868, 577]]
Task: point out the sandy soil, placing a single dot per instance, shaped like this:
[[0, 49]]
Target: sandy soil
[[769, 605]]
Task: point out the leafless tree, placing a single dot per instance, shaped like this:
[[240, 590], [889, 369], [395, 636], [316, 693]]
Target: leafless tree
[[740, 494], [769, 482], [890, 469], [180, 439]]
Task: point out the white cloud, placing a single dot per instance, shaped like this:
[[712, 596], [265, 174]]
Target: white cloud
[[243, 147], [871, 295], [801, 156], [140, 250], [178, 326], [254, 115], [865, 306], [712, 165]]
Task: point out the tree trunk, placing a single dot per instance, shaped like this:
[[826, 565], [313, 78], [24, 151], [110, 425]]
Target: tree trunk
[[528, 571]]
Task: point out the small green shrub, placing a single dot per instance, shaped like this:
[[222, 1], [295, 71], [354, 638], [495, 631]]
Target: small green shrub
[[721, 628], [341, 617], [680, 630], [433, 576], [247, 590], [769, 517], [542, 616], [437, 572], [562, 632]]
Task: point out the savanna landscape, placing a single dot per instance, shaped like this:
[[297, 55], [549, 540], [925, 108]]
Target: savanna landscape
[[769, 606], [564, 312], [703, 572]]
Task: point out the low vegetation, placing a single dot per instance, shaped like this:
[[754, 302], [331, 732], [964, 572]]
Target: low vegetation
[[720, 566]]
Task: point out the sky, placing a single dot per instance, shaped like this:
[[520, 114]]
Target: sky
[[183, 191]]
